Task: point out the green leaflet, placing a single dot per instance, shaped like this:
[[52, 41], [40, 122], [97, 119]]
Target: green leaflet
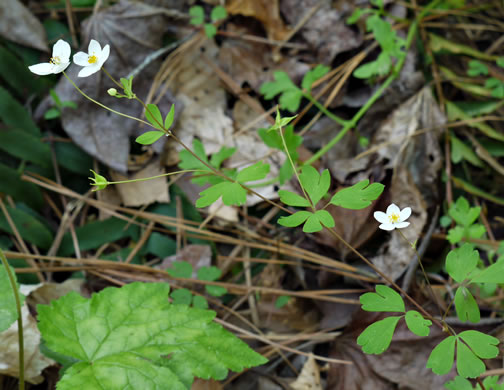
[[171, 344], [461, 262], [358, 196], [417, 324], [442, 356], [385, 299], [313, 222], [149, 137], [8, 311], [290, 94], [376, 337], [315, 185], [466, 306]]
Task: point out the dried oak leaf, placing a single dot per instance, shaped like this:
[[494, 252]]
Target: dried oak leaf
[[133, 31]]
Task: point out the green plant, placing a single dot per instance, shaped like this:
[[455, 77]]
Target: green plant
[[55, 112], [459, 383], [465, 218], [197, 14]]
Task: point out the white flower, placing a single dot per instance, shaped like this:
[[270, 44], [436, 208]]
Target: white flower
[[93, 60], [58, 63], [394, 218]]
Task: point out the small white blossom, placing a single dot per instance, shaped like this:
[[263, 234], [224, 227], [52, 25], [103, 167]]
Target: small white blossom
[[394, 218], [57, 63], [93, 60]]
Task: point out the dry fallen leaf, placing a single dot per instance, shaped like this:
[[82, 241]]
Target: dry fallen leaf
[[309, 378], [133, 30], [18, 24], [142, 193], [196, 255], [201, 384]]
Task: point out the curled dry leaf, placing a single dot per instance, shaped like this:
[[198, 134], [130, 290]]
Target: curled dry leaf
[[133, 30], [309, 378]]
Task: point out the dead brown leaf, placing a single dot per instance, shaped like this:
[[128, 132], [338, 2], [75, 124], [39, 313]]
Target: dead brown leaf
[[18, 24], [196, 255], [309, 378]]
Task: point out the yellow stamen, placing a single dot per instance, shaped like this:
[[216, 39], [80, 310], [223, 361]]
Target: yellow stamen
[[55, 60], [92, 59], [393, 218]]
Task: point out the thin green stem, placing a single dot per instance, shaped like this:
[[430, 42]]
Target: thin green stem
[[395, 73], [15, 291], [103, 105], [111, 78], [156, 177], [321, 107], [280, 130], [431, 291]]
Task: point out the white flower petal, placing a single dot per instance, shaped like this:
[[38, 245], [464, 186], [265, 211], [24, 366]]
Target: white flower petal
[[94, 48], [401, 225], [61, 67], [387, 226], [88, 70], [42, 69], [62, 50], [104, 55], [405, 214], [81, 59], [381, 217], [393, 209]]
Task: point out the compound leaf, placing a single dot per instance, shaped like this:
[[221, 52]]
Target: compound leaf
[[417, 324], [133, 337], [384, 299], [218, 13], [462, 213], [8, 311], [358, 196], [315, 185], [442, 356], [255, 172], [466, 306], [197, 15], [459, 383], [292, 199], [211, 274], [315, 221], [461, 262], [376, 337], [290, 94], [477, 68], [223, 154], [182, 296]]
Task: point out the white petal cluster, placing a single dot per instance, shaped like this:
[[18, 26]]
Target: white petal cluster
[[58, 63], [93, 60], [394, 218]]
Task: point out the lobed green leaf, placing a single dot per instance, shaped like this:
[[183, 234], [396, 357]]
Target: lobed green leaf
[[417, 324], [461, 262], [466, 306], [8, 311], [385, 299], [292, 199], [315, 185], [442, 356], [358, 196], [376, 338]]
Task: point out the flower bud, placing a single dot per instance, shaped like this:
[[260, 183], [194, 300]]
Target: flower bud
[[112, 91]]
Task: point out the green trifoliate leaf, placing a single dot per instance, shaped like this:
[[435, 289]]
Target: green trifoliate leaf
[[98, 181], [477, 68], [461, 262], [182, 296], [210, 30], [197, 15], [281, 122], [273, 140], [255, 172], [8, 311], [314, 223], [468, 364], [466, 306], [497, 87], [294, 219], [313, 75], [384, 299], [483, 345], [462, 213], [441, 357], [218, 13], [315, 185], [358, 196], [169, 118], [149, 137], [211, 274], [492, 274], [376, 337], [292, 199], [290, 94], [188, 161], [417, 324], [133, 337], [180, 269], [153, 115]]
